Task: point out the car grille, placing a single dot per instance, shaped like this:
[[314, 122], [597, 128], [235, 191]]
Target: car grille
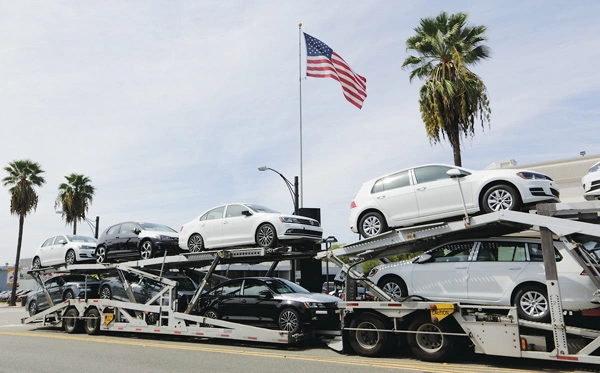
[[304, 232], [555, 192], [595, 185], [313, 223], [539, 192]]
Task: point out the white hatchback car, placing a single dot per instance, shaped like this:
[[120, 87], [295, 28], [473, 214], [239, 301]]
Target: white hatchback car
[[64, 249], [426, 193], [495, 271], [240, 224], [591, 183]]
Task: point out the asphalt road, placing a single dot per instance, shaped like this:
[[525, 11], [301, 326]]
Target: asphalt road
[[33, 348]]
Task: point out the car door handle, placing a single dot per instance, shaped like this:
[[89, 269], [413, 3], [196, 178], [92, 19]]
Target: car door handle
[[243, 301], [461, 267], [421, 189], [381, 197], [225, 222], [514, 268]]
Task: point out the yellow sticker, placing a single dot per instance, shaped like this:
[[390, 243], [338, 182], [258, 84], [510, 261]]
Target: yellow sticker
[[108, 318], [440, 311]]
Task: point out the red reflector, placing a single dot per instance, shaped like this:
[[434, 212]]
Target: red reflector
[[570, 358], [353, 205], [157, 330], [352, 304], [282, 340], [199, 333], [120, 328], [395, 304], [138, 329], [177, 332], [253, 338], [225, 335]]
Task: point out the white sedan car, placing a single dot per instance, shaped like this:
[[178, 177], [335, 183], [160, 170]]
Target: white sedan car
[[591, 183], [239, 224], [496, 271], [427, 193], [64, 249]]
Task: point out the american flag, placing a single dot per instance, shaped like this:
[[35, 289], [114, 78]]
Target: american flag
[[323, 62]]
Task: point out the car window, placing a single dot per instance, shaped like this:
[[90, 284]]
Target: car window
[[156, 227], [397, 180], [52, 283], [258, 208], [535, 253], [595, 167], [454, 252], [506, 251], [60, 240], [128, 227], [114, 230], [230, 288], [254, 287], [48, 242], [431, 173], [81, 239], [215, 213], [235, 210]]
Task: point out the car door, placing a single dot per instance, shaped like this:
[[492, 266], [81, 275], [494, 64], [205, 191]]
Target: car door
[[111, 239], [437, 194], [395, 195], [444, 276], [493, 274], [44, 251], [237, 227], [59, 249], [257, 307], [128, 238], [229, 296], [211, 227]]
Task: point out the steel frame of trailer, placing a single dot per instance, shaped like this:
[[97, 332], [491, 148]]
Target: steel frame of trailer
[[105, 315], [493, 330]]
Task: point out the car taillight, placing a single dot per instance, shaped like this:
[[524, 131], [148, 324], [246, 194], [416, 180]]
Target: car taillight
[[591, 270], [353, 205]]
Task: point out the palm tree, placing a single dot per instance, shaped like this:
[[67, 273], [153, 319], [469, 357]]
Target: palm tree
[[452, 98], [75, 196], [23, 176]]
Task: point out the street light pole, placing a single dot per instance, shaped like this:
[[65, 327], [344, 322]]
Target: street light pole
[[293, 188]]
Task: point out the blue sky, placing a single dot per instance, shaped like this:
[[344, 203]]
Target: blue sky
[[169, 107]]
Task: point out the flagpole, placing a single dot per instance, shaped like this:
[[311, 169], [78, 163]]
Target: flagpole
[[300, 85]]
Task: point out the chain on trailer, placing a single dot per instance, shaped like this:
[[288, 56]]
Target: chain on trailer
[[95, 315], [492, 330]]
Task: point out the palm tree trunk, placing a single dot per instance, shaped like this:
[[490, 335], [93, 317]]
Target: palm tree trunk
[[13, 295], [74, 227]]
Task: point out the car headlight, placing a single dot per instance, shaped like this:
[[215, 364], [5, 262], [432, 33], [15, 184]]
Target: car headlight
[[313, 305], [165, 238], [532, 176], [373, 272], [289, 219], [87, 247]]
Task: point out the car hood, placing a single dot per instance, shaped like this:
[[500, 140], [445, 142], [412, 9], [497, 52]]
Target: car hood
[[310, 297]]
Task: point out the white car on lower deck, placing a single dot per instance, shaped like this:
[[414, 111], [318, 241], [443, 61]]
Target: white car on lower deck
[[492, 271], [591, 183], [240, 224]]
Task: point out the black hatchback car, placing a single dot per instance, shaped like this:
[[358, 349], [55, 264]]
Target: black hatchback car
[[62, 288], [271, 302], [136, 240]]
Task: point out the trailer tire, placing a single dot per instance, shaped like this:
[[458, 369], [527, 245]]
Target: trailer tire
[[429, 347], [70, 321], [92, 321], [372, 342]]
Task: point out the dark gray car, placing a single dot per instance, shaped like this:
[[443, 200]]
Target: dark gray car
[[62, 288]]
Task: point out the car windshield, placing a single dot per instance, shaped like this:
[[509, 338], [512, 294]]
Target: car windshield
[[258, 208], [185, 283], [156, 227], [81, 239], [595, 167], [283, 286]]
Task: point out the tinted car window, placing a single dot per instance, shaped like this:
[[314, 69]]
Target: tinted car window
[[235, 210], [230, 288], [156, 227], [254, 287], [60, 240], [535, 253], [215, 213], [398, 180], [48, 242], [128, 227], [378, 186], [431, 173]]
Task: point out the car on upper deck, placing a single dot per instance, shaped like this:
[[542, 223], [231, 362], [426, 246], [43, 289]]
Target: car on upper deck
[[64, 249], [242, 224], [427, 193]]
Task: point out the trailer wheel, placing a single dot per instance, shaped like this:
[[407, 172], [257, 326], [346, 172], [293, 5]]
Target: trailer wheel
[[92, 321], [427, 343], [371, 340], [70, 321]]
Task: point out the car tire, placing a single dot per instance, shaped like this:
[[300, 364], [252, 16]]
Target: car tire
[[532, 303], [33, 308], [428, 345], [372, 224], [195, 243], [393, 286], [371, 340], [91, 323], [37, 263], [211, 313], [289, 320], [70, 257], [101, 255], [70, 321], [105, 292], [147, 250], [68, 294], [266, 236], [501, 197]]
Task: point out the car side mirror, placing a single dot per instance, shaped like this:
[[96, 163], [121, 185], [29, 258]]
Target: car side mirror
[[246, 213], [456, 173], [424, 258], [137, 230], [265, 294]]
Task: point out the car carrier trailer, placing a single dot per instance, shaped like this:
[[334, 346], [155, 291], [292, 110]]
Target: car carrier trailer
[[434, 331], [159, 314]]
